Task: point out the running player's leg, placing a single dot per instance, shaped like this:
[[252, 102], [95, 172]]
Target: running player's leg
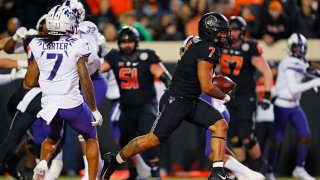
[[204, 115], [173, 110], [145, 123]]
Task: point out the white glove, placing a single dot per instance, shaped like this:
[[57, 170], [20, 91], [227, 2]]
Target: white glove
[[316, 81], [18, 74], [97, 117], [226, 98], [22, 63], [32, 32], [20, 33]]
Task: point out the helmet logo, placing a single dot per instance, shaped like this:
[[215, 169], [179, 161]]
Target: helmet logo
[[210, 21]]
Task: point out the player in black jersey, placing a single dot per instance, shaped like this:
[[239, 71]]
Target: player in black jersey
[[135, 70], [240, 63], [193, 76]]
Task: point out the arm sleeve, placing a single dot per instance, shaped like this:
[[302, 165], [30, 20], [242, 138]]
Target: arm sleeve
[[294, 86], [83, 49]]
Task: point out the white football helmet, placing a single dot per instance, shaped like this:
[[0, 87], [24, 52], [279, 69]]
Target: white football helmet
[[77, 7], [297, 40], [61, 21]]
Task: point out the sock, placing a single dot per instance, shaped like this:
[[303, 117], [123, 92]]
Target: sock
[[271, 159], [119, 159], [140, 162], [236, 167], [85, 162], [302, 152], [217, 164], [55, 169]]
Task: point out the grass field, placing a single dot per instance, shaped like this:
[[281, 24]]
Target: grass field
[[77, 178]]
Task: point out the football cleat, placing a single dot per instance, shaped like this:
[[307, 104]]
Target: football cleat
[[218, 173], [270, 176], [110, 165], [40, 170], [300, 172]]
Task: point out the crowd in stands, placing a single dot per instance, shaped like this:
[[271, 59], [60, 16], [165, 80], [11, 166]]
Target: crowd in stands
[[171, 20]]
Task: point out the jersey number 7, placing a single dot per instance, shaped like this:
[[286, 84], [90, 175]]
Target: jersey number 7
[[58, 58], [129, 78]]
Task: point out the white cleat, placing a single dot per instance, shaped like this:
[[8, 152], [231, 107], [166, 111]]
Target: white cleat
[[251, 175], [270, 176], [143, 172], [300, 172], [40, 170]]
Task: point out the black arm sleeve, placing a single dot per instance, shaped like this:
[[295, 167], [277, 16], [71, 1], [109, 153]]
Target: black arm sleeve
[[166, 78]]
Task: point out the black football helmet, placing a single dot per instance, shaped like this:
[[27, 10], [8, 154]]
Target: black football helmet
[[214, 27], [237, 22], [128, 33]]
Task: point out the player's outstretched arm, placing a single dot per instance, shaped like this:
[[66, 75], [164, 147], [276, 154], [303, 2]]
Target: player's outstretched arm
[[32, 76], [205, 74], [11, 63]]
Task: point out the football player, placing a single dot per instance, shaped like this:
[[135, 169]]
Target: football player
[[289, 87], [58, 63], [181, 101], [135, 70], [239, 63], [239, 170]]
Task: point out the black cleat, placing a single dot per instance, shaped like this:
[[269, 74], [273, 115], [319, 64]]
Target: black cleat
[[218, 173], [110, 165], [155, 172]]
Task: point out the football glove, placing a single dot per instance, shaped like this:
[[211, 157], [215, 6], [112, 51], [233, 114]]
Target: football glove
[[20, 33], [97, 117], [265, 102]]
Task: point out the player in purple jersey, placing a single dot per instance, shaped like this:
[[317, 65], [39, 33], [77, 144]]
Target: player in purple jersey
[[292, 70], [58, 63]]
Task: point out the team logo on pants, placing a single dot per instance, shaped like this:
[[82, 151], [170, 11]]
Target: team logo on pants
[[171, 99]]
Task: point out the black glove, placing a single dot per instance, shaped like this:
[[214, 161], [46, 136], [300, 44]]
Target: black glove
[[265, 102]]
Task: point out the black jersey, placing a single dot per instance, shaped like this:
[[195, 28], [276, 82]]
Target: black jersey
[[135, 81], [236, 64], [185, 80]]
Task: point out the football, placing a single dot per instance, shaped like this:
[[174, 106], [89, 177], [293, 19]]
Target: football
[[223, 83]]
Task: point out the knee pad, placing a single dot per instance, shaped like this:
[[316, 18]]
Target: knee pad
[[252, 142], [236, 144]]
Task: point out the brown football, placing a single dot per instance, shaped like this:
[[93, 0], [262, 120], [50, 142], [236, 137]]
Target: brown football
[[223, 83]]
